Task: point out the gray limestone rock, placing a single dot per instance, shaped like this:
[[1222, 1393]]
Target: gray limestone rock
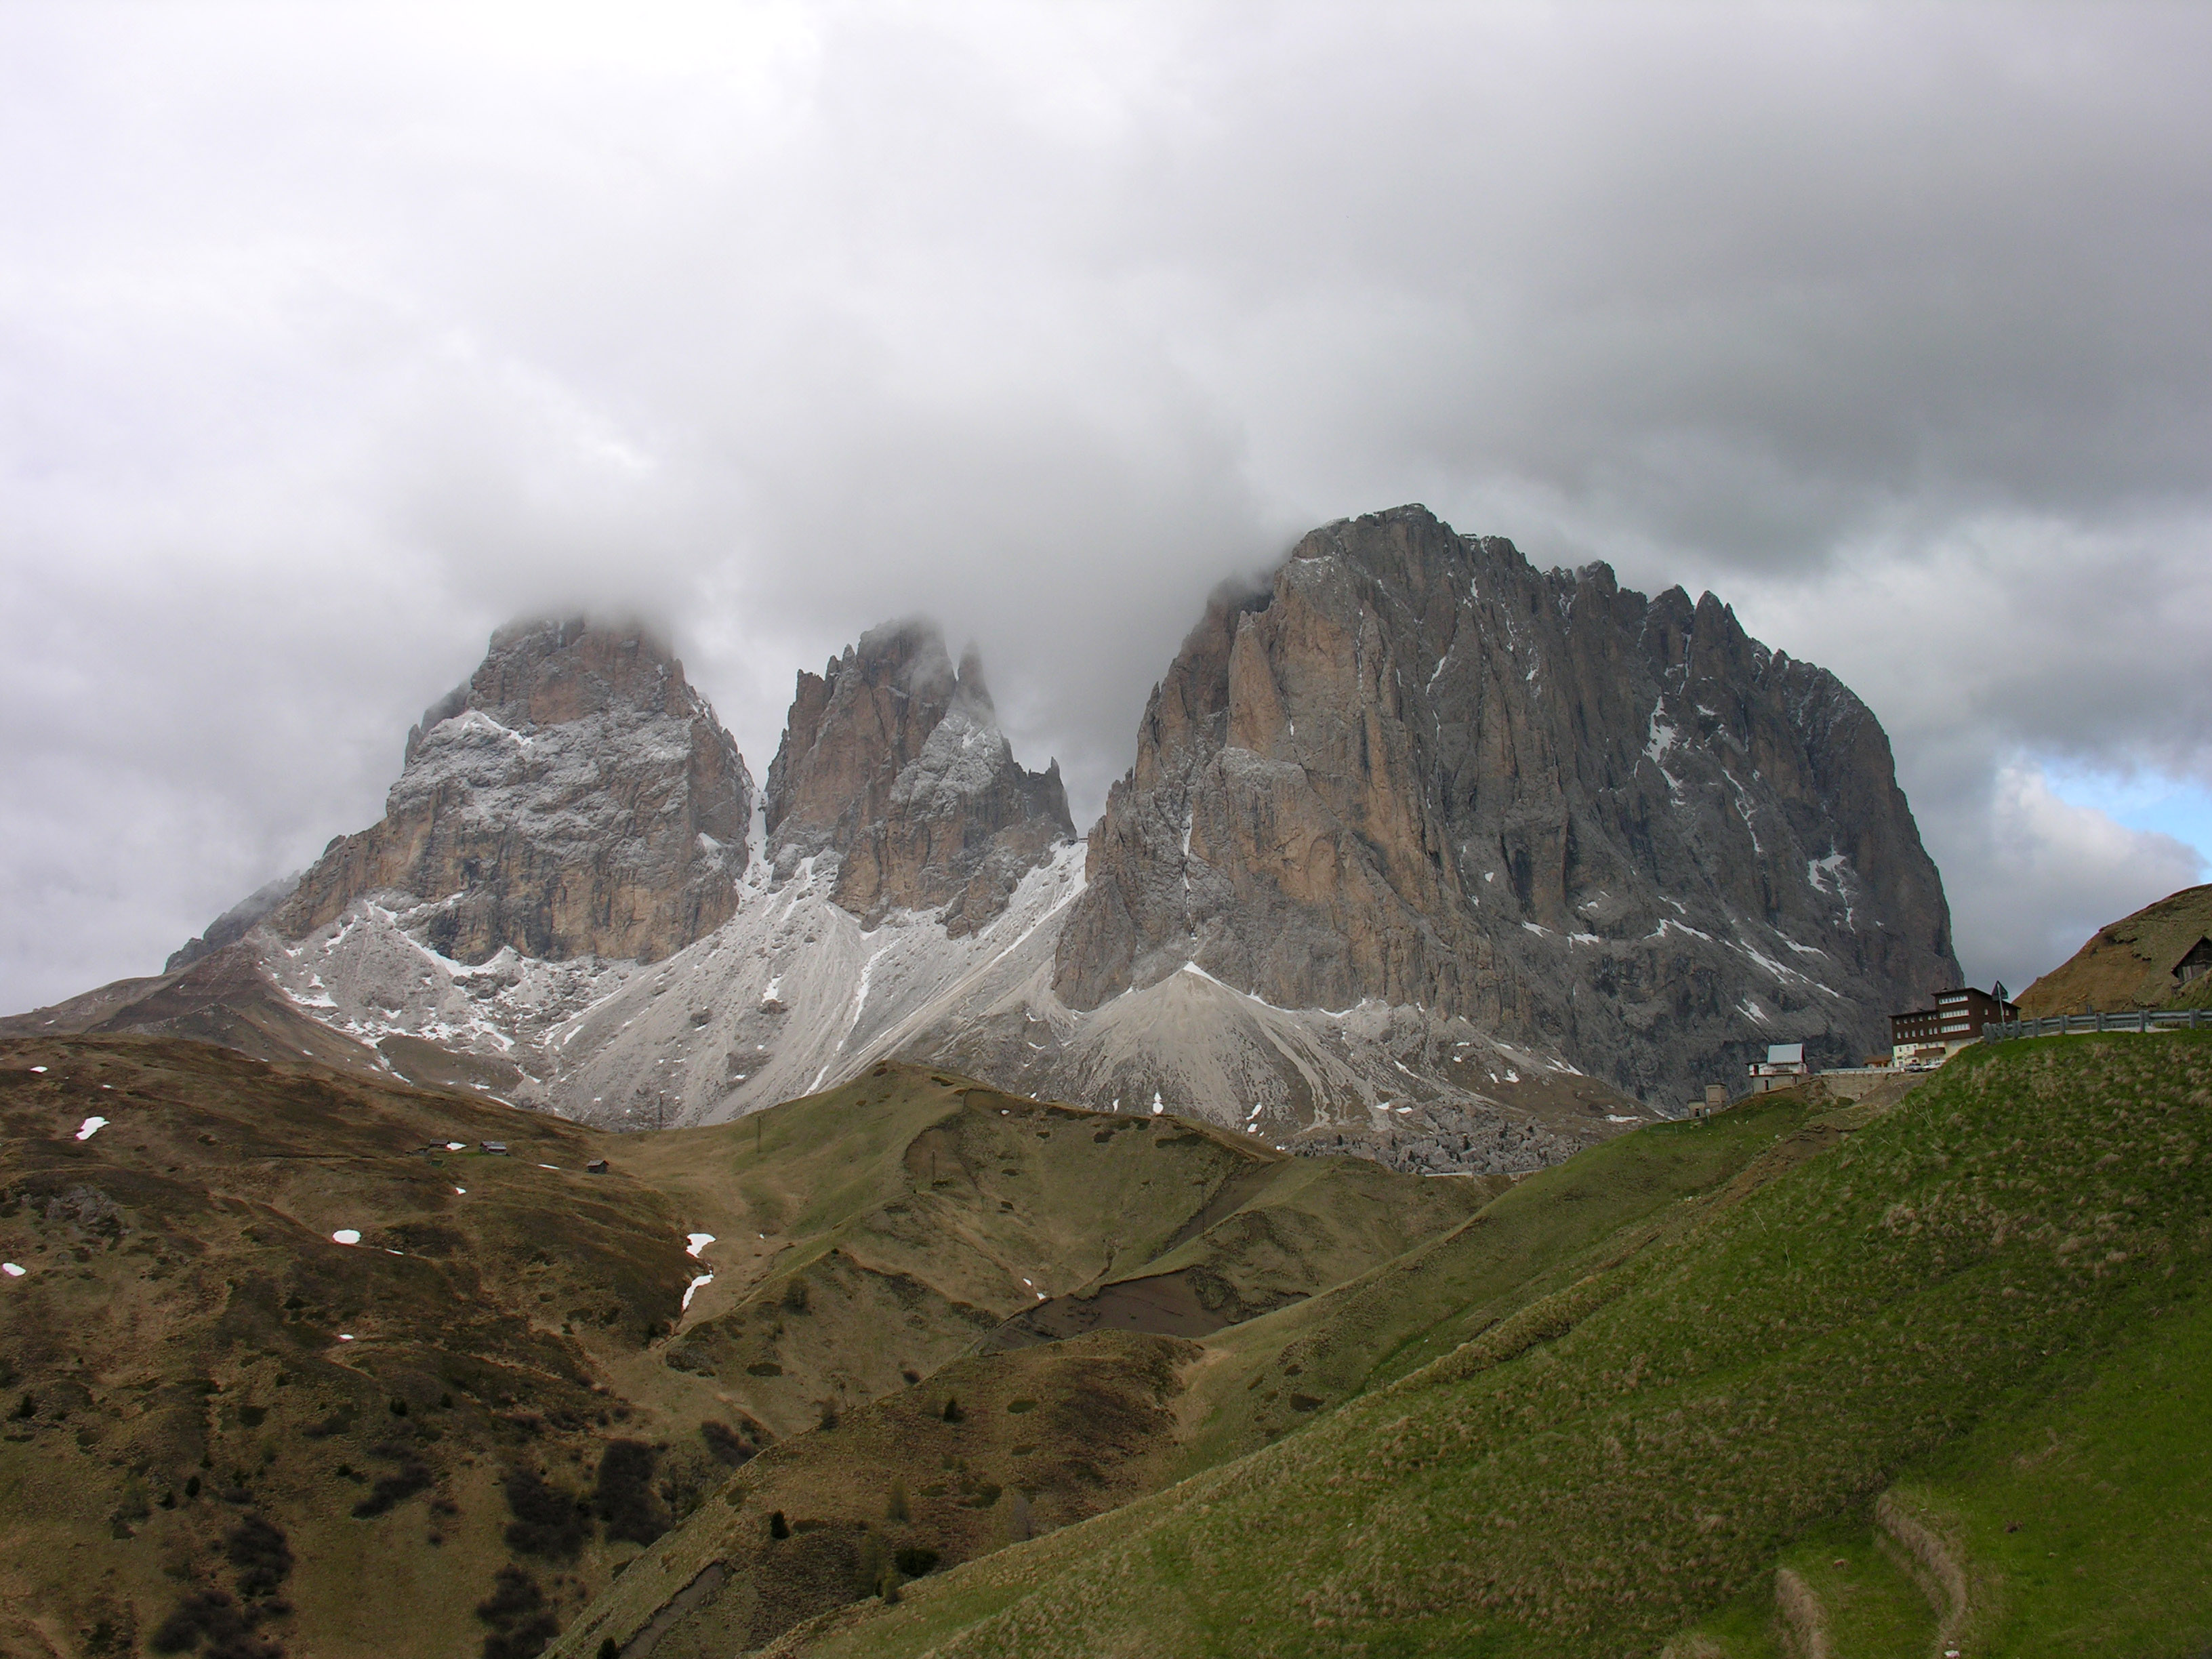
[[576, 797], [893, 769], [1415, 768], [234, 923]]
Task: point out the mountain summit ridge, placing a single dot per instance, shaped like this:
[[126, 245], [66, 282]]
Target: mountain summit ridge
[[1414, 768], [1423, 852], [573, 797]]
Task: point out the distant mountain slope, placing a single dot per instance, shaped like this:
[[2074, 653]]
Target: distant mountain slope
[[2129, 963], [1965, 1336]]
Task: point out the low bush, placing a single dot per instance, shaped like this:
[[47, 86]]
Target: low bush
[[625, 1500], [549, 1522]]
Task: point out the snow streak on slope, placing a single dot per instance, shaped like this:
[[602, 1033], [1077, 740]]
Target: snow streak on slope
[[791, 996], [788, 996]]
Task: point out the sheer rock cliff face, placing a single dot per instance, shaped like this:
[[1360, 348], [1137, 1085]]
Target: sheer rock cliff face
[[893, 772], [574, 797], [1414, 768]]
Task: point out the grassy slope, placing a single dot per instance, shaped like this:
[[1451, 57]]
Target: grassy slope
[[1301, 1212], [909, 1213], [2128, 964], [173, 1358], [1259, 1378], [1044, 1436], [1989, 1295], [181, 1317]]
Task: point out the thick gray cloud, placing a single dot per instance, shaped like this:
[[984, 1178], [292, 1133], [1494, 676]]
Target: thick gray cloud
[[329, 340]]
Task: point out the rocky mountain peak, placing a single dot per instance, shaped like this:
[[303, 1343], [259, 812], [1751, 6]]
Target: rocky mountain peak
[[1415, 768], [573, 797], [894, 775]]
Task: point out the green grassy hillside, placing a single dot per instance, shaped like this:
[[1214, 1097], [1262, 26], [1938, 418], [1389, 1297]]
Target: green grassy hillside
[[2130, 963], [868, 1236], [228, 1432], [1955, 1346], [1261, 1379]]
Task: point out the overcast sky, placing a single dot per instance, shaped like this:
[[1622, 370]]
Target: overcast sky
[[331, 338]]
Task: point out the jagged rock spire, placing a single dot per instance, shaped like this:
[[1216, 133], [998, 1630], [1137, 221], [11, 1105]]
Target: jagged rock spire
[[894, 772], [573, 797]]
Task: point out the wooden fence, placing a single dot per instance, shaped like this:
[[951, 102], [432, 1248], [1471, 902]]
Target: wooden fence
[[2140, 1019]]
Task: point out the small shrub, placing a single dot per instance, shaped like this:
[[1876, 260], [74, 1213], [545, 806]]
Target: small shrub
[[873, 1570], [390, 1490], [952, 1412], [794, 1296], [625, 1499], [521, 1624], [724, 1444], [214, 1618], [778, 1527], [258, 1548], [548, 1521]]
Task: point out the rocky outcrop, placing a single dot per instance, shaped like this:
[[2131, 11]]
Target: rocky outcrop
[[233, 924], [1412, 767], [576, 797], [893, 774]]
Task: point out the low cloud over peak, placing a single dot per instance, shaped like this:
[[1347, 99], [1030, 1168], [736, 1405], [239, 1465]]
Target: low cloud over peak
[[332, 341]]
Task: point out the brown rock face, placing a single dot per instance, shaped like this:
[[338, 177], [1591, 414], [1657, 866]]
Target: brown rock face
[[1416, 769], [576, 796], [893, 767]]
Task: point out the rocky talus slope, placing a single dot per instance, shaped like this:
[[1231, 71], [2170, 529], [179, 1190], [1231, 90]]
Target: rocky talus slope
[[894, 776], [576, 797], [1415, 769]]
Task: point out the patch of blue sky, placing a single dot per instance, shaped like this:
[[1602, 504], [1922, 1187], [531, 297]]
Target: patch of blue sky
[[2141, 800]]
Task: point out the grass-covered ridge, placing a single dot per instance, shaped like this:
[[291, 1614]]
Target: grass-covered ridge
[[1980, 1311], [292, 1359], [1557, 1225]]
